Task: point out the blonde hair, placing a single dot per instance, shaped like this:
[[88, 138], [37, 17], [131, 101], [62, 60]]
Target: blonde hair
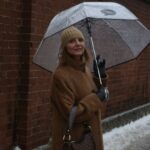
[[68, 34]]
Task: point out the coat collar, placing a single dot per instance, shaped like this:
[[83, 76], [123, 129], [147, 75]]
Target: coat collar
[[69, 61]]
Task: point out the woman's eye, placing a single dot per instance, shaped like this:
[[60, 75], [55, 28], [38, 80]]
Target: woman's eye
[[75, 40], [72, 40], [80, 39]]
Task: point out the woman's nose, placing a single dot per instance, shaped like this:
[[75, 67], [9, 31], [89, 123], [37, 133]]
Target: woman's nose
[[77, 41]]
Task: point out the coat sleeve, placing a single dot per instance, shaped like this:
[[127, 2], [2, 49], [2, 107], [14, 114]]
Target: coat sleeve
[[63, 97]]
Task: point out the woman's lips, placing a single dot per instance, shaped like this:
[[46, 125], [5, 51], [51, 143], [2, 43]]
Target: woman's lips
[[78, 49]]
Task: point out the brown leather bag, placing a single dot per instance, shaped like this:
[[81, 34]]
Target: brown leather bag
[[86, 142]]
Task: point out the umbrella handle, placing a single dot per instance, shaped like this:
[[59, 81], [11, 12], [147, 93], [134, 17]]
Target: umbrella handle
[[94, 52], [88, 23]]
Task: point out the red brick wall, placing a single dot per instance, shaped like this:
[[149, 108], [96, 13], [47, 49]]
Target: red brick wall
[[10, 23], [25, 88]]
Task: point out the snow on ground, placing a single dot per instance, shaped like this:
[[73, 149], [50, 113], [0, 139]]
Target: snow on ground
[[133, 136]]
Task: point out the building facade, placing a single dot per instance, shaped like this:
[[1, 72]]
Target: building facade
[[25, 110]]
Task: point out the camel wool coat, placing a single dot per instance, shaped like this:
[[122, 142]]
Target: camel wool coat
[[74, 84]]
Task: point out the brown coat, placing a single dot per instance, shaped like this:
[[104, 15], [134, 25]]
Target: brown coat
[[74, 83]]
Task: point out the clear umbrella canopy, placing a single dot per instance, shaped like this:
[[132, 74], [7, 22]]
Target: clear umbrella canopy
[[117, 34]]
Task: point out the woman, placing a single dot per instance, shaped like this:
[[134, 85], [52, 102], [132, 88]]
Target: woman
[[73, 84]]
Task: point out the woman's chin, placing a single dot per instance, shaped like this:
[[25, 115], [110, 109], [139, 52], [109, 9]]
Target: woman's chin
[[79, 53]]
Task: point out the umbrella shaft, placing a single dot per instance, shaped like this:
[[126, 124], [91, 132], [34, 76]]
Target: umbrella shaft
[[93, 49]]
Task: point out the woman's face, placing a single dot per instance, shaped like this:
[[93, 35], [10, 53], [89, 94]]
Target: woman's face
[[76, 46]]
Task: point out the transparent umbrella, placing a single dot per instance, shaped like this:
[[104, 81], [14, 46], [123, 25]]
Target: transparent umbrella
[[110, 30]]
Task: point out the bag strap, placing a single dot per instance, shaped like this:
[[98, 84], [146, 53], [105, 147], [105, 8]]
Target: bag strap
[[72, 116]]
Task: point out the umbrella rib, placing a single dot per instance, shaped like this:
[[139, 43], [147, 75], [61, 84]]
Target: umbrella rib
[[116, 32], [80, 8]]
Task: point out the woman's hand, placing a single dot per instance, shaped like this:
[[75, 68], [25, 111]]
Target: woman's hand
[[101, 67], [103, 94]]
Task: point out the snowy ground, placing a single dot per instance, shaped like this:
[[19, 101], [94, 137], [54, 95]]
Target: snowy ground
[[133, 136]]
